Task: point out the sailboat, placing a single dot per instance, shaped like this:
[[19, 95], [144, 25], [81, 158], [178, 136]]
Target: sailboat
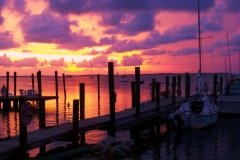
[[199, 111]]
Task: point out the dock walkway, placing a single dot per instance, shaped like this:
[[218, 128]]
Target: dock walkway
[[124, 119]]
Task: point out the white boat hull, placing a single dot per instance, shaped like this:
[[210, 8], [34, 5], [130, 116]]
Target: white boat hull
[[193, 121]]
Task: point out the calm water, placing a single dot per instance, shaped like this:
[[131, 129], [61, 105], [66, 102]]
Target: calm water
[[220, 142]]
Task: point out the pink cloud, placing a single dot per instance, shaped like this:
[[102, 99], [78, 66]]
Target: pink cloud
[[58, 63], [134, 60], [27, 62]]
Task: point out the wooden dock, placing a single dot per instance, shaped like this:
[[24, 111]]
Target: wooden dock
[[124, 119]]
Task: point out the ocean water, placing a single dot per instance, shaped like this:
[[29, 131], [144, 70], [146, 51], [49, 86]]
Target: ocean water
[[219, 142]]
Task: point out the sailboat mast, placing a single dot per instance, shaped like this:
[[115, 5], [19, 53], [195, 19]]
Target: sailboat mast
[[199, 40], [230, 68]]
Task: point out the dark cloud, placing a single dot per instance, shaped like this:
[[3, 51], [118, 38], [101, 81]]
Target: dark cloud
[[232, 5], [47, 28], [175, 34], [185, 51], [19, 5], [83, 6], [129, 24], [133, 60], [6, 41], [235, 40]]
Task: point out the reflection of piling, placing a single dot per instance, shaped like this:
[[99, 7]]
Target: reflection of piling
[[133, 94], [157, 95], [112, 99], [64, 86], [137, 90], [173, 90], [153, 90], [56, 90], [179, 82], [82, 109], [75, 136], [167, 87], [98, 84], [22, 134], [15, 102]]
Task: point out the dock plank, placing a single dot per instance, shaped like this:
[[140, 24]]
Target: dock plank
[[124, 119]]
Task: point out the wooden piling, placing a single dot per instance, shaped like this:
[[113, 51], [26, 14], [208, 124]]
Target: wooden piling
[[133, 90], [153, 90], [221, 85], [6, 103], [64, 86], [82, 109], [39, 79], [56, 90], [15, 102], [167, 87], [75, 130], [157, 95], [112, 99], [137, 90], [33, 81], [214, 84], [22, 134], [187, 85], [173, 90], [179, 79]]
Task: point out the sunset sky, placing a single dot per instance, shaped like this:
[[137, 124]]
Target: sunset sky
[[82, 36]]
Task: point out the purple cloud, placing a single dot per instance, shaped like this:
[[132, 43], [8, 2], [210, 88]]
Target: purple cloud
[[133, 60], [7, 41], [232, 5], [96, 62], [5, 61], [83, 6], [57, 63], [47, 28], [155, 52], [140, 22], [19, 5], [185, 51], [27, 62]]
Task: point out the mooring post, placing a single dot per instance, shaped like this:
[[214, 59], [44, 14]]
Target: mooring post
[[167, 87], [157, 95], [137, 89], [41, 112], [173, 90], [133, 91], [6, 103], [153, 89], [64, 86], [33, 81], [215, 84], [82, 109], [75, 129], [22, 133], [56, 90], [15, 102], [179, 91], [187, 85], [221, 85], [112, 99]]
